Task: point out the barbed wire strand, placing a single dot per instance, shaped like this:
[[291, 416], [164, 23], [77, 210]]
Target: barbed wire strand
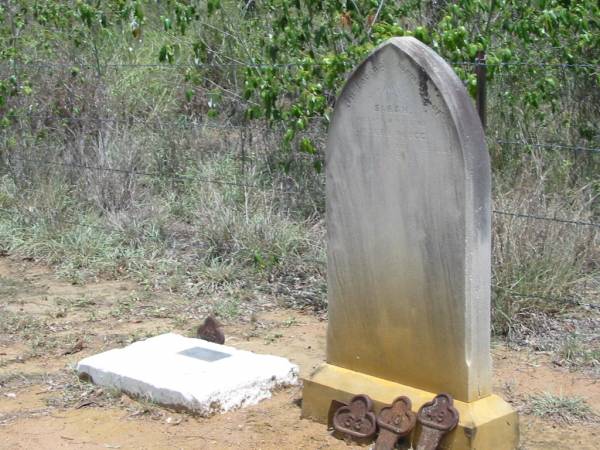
[[568, 300], [240, 64], [550, 145], [195, 124], [182, 178], [526, 63], [551, 219], [189, 124], [133, 172]]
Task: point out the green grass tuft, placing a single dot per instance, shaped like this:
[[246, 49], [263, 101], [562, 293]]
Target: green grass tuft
[[561, 408]]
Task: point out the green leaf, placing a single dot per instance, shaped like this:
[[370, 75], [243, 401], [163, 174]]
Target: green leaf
[[289, 135], [139, 12], [307, 146], [318, 165], [212, 6], [162, 54], [200, 51], [473, 49]]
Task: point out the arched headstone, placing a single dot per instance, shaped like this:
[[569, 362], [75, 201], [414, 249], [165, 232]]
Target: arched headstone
[[408, 225]]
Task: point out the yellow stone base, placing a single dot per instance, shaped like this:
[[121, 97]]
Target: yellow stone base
[[486, 424]]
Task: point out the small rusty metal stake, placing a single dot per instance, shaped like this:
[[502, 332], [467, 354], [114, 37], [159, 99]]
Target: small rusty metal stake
[[395, 422], [357, 419], [437, 418]]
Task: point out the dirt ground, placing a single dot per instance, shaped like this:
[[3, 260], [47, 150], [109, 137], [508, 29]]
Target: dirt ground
[[47, 325]]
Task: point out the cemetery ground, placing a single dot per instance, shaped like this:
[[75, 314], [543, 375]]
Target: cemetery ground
[[47, 324]]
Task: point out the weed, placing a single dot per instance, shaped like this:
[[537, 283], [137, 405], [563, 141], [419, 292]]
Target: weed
[[124, 307], [576, 354], [228, 308], [139, 335], [60, 313], [21, 325], [561, 408], [19, 379], [180, 322], [289, 322], [271, 338], [9, 286], [79, 302]]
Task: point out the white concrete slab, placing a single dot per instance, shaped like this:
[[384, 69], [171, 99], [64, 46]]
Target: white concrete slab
[[190, 373]]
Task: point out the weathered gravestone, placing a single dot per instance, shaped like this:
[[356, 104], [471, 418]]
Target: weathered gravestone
[[408, 220]]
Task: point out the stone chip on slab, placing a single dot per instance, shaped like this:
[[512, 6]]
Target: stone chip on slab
[[189, 373]]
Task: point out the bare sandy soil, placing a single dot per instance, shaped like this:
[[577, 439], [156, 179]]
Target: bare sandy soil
[[47, 325]]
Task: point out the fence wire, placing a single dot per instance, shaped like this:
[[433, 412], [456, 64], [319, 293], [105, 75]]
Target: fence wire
[[253, 65], [549, 219], [192, 123], [188, 123], [564, 300], [552, 145], [188, 178], [133, 172]]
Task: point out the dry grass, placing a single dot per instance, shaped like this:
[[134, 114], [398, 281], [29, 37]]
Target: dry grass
[[560, 408], [175, 226], [210, 227], [543, 269], [192, 235]]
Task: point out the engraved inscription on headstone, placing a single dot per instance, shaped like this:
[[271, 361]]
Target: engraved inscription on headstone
[[408, 220]]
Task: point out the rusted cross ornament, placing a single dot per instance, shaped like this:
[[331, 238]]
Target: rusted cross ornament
[[394, 422], [437, 418], [357, 419]]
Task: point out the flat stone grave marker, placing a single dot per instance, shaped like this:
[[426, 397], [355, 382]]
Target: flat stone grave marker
[[408, 228], [188, 373]]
